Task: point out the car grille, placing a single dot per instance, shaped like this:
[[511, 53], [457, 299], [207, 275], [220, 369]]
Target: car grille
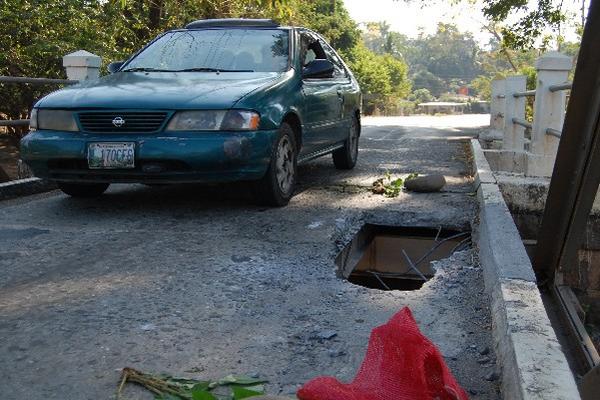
[[133, 121]]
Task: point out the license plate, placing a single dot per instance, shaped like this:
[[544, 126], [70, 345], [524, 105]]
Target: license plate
[[111, 155]]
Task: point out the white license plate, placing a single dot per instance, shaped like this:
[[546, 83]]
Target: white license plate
[[111, 155]]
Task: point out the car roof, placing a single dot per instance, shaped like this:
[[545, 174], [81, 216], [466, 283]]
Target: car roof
[[232, 23]]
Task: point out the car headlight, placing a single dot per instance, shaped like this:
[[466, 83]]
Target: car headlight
[[56, 120], [206, 120], [33, 120]]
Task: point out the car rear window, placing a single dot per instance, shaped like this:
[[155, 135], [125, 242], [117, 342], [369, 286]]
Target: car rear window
[[260, 50]]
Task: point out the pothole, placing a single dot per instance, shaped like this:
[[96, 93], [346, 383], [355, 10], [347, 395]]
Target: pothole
[[397, 257]]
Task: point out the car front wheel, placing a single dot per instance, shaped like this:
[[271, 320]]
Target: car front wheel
[[277, 186], [83, 189], [345, 158]]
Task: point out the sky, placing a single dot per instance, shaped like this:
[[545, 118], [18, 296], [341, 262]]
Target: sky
[[409, 18]]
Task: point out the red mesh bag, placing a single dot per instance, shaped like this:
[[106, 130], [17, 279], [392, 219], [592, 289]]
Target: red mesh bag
[[400, 364]]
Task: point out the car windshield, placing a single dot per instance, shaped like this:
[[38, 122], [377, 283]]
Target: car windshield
[[260, 50]]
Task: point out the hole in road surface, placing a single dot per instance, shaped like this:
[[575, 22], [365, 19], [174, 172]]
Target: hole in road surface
[[397, 257]]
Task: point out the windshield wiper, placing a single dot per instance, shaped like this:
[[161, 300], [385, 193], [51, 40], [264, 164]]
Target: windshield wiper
[[146, 69], [205, 69]]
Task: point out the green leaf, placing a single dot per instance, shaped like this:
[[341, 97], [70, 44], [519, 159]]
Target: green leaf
[[243, 393], [202, 395], [398, 182], [201, 386], [167, 396], [256, 388]]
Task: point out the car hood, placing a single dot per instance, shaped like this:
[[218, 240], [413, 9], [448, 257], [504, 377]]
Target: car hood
[[161, 90]]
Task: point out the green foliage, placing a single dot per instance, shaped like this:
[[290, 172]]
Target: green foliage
[[523, 23], [166, 387], [35, 35], [390, 187], [424, 79], [535, 20], [422, 95], [440, 62], [382, 78], [334, 24]]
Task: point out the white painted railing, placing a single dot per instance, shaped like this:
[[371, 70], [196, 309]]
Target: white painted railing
[[535, 157]]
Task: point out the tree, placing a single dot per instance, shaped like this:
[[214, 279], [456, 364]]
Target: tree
[[535, 18], [52, 29], [372, 77], [334, 23], [421, 96], [423, 79]]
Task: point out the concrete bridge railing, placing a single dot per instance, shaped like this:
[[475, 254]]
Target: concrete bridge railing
[[534, 156]]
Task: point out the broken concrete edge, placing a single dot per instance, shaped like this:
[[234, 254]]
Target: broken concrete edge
[[24, 187], [529, 354]]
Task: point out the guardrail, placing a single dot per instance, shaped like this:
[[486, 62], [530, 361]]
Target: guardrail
[[80, 65], [508, 120]]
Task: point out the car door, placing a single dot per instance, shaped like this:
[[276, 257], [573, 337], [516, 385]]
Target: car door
[[344, 88], [322, 105]]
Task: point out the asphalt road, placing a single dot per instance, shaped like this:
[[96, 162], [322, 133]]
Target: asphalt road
[[198, 281]]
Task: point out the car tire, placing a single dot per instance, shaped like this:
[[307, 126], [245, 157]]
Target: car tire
[[277, 186], [346, 157], [83, 189]]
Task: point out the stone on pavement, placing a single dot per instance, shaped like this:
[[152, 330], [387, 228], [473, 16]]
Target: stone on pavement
[[425, 183]]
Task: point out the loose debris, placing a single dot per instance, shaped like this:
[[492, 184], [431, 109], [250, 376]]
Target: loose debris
[[390, 187], [166, 387], [426, 183]]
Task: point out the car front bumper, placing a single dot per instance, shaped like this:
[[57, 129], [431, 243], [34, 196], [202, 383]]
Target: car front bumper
[[173, 157]]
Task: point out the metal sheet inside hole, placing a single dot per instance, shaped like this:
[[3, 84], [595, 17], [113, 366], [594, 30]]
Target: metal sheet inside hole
[[396, 257]]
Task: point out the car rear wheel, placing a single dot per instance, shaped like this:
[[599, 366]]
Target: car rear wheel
[[277, 186], [345, 158], [83, 189]]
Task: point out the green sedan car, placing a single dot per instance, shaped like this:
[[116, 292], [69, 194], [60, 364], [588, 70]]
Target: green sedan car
[[217, 101]]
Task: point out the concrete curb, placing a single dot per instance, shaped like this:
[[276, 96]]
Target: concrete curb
[[532, 361], [24, 187]]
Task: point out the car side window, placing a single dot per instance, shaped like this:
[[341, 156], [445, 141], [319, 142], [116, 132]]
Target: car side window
[[339, 71], [311, 49]]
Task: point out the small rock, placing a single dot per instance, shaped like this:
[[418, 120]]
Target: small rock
[[492, 376], [473, 392], [326, 334], [426, 183], [336, 353], [240, 259], [315, 225], [484, 351], [483, 360], [148, 327]]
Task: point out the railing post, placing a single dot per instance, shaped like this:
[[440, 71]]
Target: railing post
[[549, 112], [514, 135], [82, 65], [496, 131]]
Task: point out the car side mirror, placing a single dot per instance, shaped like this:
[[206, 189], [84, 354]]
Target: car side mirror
[[318, 69], [114, 66]]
